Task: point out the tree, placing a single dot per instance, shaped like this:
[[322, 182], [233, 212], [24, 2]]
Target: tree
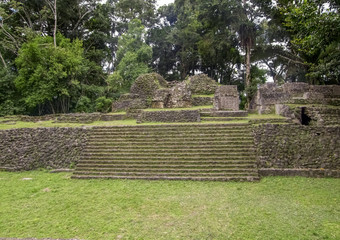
[[47, 74], [315, 36], [164, 51], [218, 47], [8, 94], [132, 59]]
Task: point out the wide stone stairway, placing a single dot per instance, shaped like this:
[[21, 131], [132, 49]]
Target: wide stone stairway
[[216, 152]]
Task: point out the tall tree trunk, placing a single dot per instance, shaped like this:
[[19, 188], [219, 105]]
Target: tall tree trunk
[[53, 6], [248, 64], [3, 60], [55, 24], [52, 108]]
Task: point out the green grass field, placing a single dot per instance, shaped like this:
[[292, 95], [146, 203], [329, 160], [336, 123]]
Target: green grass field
[[55, 206]]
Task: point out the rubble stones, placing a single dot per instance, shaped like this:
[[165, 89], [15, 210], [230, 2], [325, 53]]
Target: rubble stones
[[146, 85], [180, 96], [202, 84]]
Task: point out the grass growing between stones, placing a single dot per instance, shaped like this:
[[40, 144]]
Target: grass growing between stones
[[178, 109], [42, 124], [203, 95], [264, 116], [54, 206], [129, 122]]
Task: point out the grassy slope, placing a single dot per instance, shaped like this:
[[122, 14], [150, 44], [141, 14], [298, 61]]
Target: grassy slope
[[52, 205]]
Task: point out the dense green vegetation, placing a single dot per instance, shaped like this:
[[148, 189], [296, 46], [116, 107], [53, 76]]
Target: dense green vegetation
[[77, 56], [54, 206]]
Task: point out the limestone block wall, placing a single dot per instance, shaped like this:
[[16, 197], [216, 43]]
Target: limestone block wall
[[29, 148], [270, 94], [297, 147], [202, 101]]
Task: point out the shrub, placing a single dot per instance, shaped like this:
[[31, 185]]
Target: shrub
[[84, 105], [103, 104], [7, 108]]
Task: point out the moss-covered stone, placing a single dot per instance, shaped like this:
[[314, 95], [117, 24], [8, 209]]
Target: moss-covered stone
[[202, 84], [29, 148], [146, 85], [294, 146]]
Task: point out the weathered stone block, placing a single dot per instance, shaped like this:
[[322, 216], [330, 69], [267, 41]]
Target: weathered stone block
[[270, 94], [180, 96], [226, 98], [313, 95], [161, 98]]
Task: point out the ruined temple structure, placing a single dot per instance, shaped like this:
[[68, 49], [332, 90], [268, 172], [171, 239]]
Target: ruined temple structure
[[307, 104], [152, 91], [271, 94], [231, 146]]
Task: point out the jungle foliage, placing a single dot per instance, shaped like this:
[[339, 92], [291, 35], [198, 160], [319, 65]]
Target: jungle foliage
[[77, 56]]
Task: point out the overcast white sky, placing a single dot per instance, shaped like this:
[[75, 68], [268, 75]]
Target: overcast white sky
[[163, 2]]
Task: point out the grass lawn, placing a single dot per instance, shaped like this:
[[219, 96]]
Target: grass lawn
[[129, 122], [54, 206]]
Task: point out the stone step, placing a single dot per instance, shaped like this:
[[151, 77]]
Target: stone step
[[171, 139], [161, 132], [171, 174], [324, 110], [172, 170], [109, 163], [172, 136], [223, 119], [132, 149], [174, 127], [224, 114], [270, 120], [228, 145], [168, 158], [156, 177], [188, 152], [171, 165], [166, 154], [174, 144]]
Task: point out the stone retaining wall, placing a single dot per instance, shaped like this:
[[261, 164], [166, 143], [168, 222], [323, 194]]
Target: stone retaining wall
[[202, 101], [287, 146], [29, 148], [270, 94], [170, 116]]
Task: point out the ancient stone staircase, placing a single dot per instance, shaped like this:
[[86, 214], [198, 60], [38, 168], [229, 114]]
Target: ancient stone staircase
[[218, 152], [223, 116]]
